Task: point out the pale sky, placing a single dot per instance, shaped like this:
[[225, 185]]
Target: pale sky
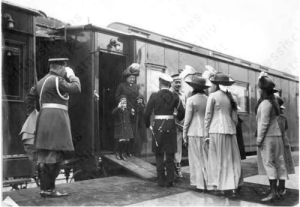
[[261, 31]]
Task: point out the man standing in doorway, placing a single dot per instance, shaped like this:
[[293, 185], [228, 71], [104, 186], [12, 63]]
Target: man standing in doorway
[[162, 104], [176, 89]]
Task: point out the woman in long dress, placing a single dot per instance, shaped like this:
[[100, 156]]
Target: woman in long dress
[[224, 161], [193, 132]]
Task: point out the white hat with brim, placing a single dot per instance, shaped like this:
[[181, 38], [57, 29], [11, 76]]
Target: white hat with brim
[[165, 77]]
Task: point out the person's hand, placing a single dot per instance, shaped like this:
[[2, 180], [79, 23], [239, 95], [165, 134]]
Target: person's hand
[[132, 111], [185, 142], [260, 145], [69, 72], [120, 105]]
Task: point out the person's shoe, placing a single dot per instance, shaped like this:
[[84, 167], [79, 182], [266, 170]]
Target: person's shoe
[[123, 157], [52, 194], [130, 155], [269, 198], [282, 192], [118, 156], [233, 194]]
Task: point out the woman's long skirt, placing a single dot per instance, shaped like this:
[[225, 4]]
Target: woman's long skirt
[[198, 155], [224, 162]]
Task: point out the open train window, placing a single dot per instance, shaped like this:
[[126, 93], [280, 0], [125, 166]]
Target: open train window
[[241, 91], [12, 74]]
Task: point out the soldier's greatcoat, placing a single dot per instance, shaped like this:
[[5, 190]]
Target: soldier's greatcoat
[[53, 131]]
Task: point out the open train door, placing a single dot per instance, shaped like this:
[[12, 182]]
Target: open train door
[[111, 67]]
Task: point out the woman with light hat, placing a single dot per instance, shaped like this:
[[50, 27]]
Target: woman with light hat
[[224, 161], [134, 102], [268, 138], [194, 132]]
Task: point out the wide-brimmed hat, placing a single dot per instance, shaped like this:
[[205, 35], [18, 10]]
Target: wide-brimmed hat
[[265, 83], [133, 69], [222, 79], [187, 70], [197, 81]]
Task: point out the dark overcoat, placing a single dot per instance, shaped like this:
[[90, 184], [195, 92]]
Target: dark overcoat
[[131, 91], [163, 103], [53, 130], [122, 124]]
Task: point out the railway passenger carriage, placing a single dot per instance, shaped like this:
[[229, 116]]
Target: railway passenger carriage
[[99, 56]]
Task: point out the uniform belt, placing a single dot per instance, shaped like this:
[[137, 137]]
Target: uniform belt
[[57, 106], [163, 117]]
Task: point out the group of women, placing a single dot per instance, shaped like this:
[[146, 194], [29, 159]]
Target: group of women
[[210, 132]]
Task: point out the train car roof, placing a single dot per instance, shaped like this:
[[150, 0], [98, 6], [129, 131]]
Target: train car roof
[[24, 9], [128, 30]]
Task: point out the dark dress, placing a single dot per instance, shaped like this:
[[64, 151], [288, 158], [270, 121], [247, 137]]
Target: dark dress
[[239, 137], [131, 91], [122, 124], [163, 103]]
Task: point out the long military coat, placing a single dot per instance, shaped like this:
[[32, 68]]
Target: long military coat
[[53, 130]]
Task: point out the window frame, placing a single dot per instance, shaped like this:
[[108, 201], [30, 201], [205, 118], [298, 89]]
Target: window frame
[[247, 86], [20, 47]]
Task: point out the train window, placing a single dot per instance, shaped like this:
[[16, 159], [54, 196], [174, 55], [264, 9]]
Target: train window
[[12, 78], [241, 91]]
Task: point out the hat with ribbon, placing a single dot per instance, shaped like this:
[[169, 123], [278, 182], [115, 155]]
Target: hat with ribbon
[[58, 61], [176, 77], [197, 81], [133, 69], [221, 79]]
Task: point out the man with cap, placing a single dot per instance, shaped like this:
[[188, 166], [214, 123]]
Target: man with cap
[[175, 88], [53, 129], [162, 104]]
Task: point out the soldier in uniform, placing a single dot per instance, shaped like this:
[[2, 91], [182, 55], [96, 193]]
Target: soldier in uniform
[[162, 104], [175, 88], [53, 129]]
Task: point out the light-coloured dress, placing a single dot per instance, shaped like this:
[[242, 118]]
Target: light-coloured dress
[[224, 161], [193, 128]]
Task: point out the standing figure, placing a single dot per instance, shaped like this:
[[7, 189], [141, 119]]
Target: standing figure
[[53, 129], [194, 132], [289, 164], [175, 88], [131, 91], [122, 127], [270, 156], [224, 161], [164, 141]]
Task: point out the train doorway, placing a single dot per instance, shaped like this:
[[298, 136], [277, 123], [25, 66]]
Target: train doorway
[[110, 76]]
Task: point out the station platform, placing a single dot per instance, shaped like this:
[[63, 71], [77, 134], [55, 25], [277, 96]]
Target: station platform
[[130, 190]]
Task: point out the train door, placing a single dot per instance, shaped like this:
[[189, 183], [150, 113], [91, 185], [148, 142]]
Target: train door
[[110, 76]]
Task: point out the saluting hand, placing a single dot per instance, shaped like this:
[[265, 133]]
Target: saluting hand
[[69, 72]]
